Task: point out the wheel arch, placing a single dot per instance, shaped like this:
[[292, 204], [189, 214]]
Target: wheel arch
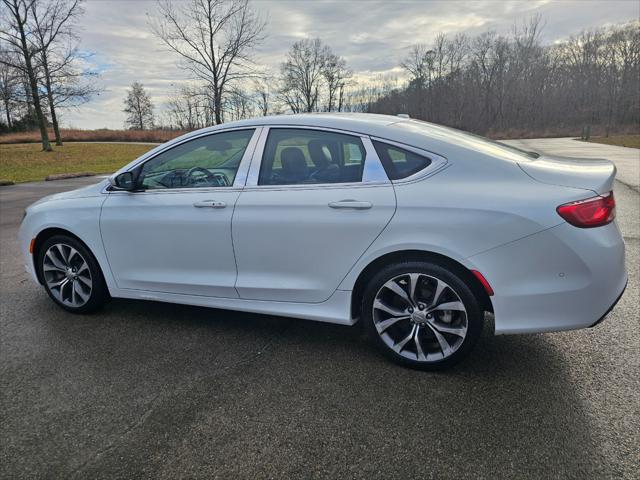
[[46, 234], [416, 255]]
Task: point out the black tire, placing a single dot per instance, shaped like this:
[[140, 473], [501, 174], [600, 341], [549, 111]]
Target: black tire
[[98, 295], [456, 286]]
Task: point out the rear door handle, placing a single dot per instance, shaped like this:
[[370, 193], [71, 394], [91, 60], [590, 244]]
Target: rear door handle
[[354, 204], [210, 204]]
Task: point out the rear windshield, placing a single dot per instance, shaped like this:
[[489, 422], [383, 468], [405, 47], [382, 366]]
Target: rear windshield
[[466, 139]]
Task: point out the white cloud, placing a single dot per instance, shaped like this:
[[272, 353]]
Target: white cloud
[[371, 35]]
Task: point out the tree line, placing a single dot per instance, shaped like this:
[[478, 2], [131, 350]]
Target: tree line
[[482, 83], [494, 82]]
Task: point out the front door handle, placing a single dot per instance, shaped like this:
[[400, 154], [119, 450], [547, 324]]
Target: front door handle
[[354, 204], [210, 204]]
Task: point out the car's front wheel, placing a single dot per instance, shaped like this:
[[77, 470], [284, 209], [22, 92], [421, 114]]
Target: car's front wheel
[[71, 275], [421, 315]]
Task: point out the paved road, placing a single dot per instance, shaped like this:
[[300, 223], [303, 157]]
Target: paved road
[[146, 389]]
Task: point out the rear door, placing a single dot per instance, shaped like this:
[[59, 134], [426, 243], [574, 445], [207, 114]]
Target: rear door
[[314, 202]]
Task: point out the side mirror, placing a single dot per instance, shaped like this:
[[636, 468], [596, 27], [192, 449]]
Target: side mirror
[[123, 181]]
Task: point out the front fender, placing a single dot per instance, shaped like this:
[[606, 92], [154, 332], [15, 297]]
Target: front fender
[[78, 216]]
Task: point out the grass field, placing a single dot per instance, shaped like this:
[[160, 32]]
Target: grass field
[[100, 135], [26, 162], [632, 141]]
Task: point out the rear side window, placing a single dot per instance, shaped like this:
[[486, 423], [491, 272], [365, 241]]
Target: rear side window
[[303, 156], [398, 162]]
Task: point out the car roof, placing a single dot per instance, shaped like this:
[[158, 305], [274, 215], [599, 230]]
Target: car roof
[[431, 137], [354, 122], [420, 134]]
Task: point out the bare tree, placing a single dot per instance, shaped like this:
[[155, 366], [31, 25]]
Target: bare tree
[[53, 25], [214, 38], [336, 75], [138, 108], [14, 30], [302, 75], [239, 104], [419, 63], [10, 79], [263, 96], [188, 108], [72, 83]]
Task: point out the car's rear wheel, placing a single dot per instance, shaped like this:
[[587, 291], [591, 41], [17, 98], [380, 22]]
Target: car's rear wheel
[[421, 315], [71, 275]]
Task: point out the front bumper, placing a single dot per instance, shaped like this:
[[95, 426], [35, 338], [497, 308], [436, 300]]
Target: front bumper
[[25, 234]]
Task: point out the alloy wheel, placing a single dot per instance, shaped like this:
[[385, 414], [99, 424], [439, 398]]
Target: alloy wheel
[[67, 275], [420, 317]]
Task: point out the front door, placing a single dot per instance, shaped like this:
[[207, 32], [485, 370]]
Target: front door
[[314, 209], [174, 236]]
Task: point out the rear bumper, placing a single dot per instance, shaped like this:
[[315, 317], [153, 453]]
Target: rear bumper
[[601, 319], [563, 278]]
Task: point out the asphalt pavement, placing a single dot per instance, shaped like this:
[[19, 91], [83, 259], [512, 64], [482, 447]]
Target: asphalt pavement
[[151, 390]]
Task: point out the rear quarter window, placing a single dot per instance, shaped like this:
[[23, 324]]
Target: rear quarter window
[[398, 162]]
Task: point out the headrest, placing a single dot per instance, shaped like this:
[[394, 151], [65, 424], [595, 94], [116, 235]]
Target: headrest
[[318, 156], [293, 160]]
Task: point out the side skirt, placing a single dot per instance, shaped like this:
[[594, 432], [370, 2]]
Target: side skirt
[[337, 309]]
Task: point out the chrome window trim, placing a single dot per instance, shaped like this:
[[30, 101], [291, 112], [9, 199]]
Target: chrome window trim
[[373, 172], [314, 186], [238, 181], [438, 162], [245, 163], [170, 191], [256, 159]]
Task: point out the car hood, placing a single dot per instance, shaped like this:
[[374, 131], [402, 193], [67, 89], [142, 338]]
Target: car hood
[[84, 192], [595, 174]]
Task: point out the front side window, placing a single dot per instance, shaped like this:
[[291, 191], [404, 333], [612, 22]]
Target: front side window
[[298, 156], [210, 161], [398, 162]]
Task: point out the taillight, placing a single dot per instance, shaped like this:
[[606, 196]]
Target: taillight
[[589, 213]]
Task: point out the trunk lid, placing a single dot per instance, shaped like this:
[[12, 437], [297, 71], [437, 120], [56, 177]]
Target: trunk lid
[[593, 174]]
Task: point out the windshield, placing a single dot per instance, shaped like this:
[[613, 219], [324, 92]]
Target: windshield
[[470, 140]]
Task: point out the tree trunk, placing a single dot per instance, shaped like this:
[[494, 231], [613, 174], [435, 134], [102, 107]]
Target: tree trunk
[[52, 109], [139, 111], [6, 109], [33, 84], [217, 106]]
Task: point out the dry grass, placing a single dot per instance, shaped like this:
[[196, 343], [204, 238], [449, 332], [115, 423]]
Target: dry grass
[[26, 162], [103, 135], [632, 141]]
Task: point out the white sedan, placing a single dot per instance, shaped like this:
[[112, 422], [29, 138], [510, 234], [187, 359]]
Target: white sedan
[[414, 229]]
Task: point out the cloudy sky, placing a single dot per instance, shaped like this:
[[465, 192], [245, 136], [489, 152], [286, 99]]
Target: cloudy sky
[[373, 36]]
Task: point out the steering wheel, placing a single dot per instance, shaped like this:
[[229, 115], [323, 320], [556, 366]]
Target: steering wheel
[[210, 177]]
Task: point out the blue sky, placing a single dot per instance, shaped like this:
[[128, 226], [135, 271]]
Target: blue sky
[[373, 36]]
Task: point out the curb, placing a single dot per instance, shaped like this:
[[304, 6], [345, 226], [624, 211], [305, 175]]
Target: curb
[[63, 176]]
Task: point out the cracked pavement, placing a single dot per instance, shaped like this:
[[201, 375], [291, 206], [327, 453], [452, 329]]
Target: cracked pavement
[[151, 390]]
